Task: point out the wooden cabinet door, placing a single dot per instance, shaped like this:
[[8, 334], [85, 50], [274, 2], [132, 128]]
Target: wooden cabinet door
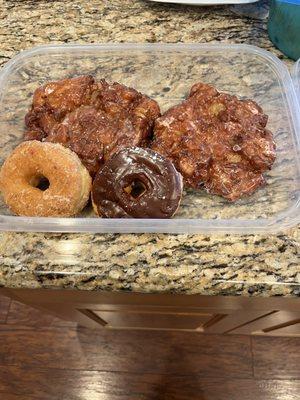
[[276, 323], [206, 320], [201, 319], [204, 314]]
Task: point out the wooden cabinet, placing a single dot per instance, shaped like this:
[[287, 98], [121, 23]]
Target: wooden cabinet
[[201, 319], [206, 314], [281, 323]]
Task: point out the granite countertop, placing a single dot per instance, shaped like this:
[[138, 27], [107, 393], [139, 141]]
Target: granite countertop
[[250, 265]]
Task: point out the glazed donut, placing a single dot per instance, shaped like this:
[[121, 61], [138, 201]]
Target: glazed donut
[[138, 183], [21, 173]]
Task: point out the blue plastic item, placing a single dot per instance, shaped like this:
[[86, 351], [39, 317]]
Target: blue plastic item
[[284, 26]]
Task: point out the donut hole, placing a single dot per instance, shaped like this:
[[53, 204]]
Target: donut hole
[[41, 182], [136, 189]]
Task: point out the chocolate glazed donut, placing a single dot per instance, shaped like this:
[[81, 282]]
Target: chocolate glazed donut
[[137, 183]]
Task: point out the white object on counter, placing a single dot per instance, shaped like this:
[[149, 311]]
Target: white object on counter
[[204, 2]]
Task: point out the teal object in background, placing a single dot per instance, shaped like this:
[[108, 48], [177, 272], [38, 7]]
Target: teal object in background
[[284, 26]]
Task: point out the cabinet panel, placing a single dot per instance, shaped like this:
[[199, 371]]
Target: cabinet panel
[[153, 320], [271, 324], [206, 320]]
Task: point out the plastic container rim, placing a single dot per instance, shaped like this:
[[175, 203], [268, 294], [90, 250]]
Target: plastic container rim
[[296, 77]]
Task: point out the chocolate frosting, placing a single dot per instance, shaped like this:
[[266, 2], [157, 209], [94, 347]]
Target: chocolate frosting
[[138, 183]]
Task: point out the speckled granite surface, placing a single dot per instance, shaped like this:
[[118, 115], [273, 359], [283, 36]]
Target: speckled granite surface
[[232, 265]]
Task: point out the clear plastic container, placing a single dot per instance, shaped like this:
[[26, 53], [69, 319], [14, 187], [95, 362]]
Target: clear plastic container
[[166, 72], [296, 77]]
